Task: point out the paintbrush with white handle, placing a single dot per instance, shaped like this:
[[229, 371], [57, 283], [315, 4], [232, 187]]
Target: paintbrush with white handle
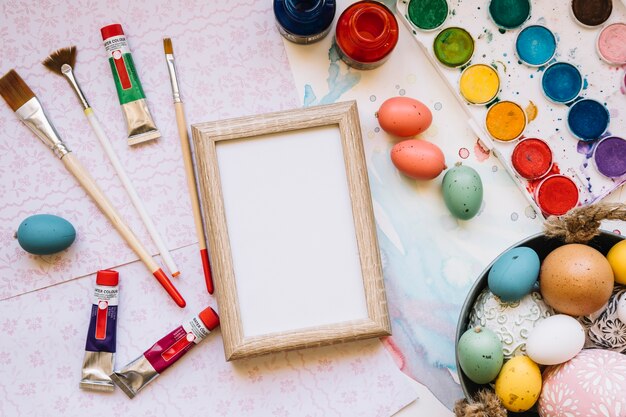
[[62, 62], [29, 110]]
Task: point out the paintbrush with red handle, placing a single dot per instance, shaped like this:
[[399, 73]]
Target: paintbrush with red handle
[[29, 110], [186, 149]]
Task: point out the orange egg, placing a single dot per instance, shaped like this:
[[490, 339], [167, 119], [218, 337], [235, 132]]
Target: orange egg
[[418, 159], [404, 116], [576, 279]]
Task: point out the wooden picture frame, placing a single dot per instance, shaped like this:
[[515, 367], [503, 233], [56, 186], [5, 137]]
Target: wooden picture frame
[[314, 147]]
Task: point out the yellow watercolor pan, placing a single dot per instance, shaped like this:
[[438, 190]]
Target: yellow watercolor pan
[[505, 121], [479, 84]]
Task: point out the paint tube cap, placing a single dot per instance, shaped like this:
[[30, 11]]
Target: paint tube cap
[[107, 277], [210, 318], [111, 30]]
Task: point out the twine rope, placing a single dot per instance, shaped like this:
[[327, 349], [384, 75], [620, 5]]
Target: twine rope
[[484, 404], [582, 224]]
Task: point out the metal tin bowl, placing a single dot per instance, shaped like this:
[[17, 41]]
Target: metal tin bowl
[[543, 246]]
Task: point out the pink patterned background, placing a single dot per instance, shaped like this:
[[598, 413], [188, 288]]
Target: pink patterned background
[[231, 62], [43, 342]]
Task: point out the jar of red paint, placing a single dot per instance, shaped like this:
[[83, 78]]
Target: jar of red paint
[[366, 34]]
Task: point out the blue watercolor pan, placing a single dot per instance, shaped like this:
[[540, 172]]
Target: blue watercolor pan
[[535, 45], [561, 82], [588, 119]]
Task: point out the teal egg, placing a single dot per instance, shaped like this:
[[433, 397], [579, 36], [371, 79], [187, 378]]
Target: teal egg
[[44, 234], [462, 191], [514, 273], [479, 352]]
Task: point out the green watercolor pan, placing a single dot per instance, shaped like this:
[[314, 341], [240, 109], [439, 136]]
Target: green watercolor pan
[[509, 14], [453, 47], [427, 14]]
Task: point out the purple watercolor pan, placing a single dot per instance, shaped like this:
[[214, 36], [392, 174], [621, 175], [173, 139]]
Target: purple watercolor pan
[[610, 157]]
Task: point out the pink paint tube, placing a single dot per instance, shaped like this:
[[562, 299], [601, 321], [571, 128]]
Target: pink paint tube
[[100, 346], [143, 370]]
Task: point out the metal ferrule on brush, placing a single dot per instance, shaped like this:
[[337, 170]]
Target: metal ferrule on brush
[[171, 67], [69, 74], [33, 116]]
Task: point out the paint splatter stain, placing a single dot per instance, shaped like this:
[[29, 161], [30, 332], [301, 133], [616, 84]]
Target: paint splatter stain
[[585, 148], [480, 152], [395, 352], [572, 53], [531, 111], [338, 81], [464, 153], [487, 34], [496, 64], [530, 212]]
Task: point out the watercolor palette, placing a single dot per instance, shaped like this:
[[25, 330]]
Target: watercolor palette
[[535, 78]]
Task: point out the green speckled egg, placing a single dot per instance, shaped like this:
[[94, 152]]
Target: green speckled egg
[[44, 234], [462, 191], [480, 354]]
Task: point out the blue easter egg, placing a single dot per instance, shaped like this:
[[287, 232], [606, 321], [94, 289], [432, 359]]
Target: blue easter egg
[[514, 273], [44, 234]]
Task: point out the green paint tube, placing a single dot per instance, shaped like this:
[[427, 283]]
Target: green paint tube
[[141, 126]]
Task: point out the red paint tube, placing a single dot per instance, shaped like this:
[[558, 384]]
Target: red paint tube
[[143, 370], [100, 346]]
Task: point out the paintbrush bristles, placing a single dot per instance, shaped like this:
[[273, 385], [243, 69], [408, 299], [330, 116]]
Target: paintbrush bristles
[[167, 46], [59, 57], [14, 90]]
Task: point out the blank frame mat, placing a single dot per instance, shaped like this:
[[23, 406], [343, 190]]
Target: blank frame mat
[[291, 230]]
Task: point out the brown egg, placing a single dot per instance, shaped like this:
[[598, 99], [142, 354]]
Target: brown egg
[[576, 279]]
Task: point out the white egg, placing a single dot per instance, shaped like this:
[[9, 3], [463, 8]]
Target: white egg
[[621, 308], [555, 340]]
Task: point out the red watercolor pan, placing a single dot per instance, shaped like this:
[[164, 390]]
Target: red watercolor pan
[[532, 158], [556, 195]]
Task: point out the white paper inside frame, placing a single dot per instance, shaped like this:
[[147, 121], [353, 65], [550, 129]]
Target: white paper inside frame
[[298, 188]]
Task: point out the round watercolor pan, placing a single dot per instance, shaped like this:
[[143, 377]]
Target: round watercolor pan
[[479, 84], [588, 119], [509, 14], [591, 13], [427, 15], [609, 157], [556, 195], [505, 121], [561, 82], [611, 44], [535, 45], [453, 47], [532, 158]]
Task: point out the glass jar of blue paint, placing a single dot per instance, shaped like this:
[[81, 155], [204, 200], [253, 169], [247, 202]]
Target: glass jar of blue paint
[[304, 21]]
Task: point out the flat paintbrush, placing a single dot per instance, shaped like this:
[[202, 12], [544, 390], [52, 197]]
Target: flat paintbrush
[[186, 150], [29, 110], [62, 62]]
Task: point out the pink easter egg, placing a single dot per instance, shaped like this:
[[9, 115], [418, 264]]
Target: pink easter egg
[[591, 384]]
